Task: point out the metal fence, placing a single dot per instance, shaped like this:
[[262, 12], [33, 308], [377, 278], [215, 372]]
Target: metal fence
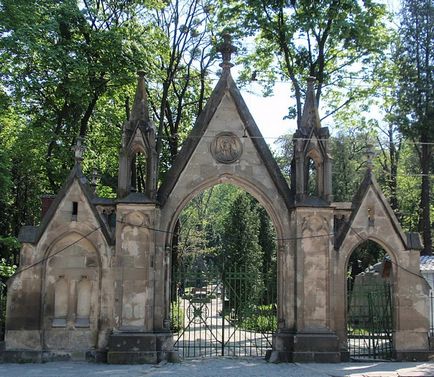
[[228, 312], [431, 313], [370, 322]]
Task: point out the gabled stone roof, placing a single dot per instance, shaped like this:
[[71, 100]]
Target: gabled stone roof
[[369, 181], [224, 85], [75, 175]]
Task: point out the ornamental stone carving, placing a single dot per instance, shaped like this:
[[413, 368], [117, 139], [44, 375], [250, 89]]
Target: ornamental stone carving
[[226, 148]]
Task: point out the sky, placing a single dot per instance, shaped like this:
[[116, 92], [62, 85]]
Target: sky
[[268, 112]]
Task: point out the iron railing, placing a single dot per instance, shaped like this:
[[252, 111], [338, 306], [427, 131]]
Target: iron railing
[[431, 313], [223, 313], [370, 322]]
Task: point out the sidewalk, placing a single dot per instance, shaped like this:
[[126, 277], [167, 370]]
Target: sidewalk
[[221, 367]]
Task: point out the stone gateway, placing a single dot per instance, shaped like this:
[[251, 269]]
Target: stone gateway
[[95, 275]]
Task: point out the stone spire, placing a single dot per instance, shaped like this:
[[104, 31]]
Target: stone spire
[[310, 117], [226, 48], [370, 154], [140, 106]]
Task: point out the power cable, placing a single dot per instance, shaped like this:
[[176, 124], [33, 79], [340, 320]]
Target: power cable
[[21, 270], [396, 264]]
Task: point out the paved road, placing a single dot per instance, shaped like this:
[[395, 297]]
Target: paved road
[[220, 367]]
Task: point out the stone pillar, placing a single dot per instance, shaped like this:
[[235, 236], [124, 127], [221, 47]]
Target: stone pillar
[[313, 338], [135, 339], [412, 310]]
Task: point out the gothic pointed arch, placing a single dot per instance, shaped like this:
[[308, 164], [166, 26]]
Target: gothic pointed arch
[[311, 167]]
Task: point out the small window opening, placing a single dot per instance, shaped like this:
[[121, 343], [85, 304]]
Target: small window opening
[[74, 210], [311, 178], [138, 173], [112, 219]]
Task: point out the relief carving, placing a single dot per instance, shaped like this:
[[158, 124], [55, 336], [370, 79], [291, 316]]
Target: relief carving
[[314, 225], [226, 148], [137, 218]]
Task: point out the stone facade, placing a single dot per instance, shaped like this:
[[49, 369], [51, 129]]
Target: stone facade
[[95, 275]]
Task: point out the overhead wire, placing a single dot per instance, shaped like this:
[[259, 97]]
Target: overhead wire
[[390, 259], [329, 235], [281, 137], [44, 259]]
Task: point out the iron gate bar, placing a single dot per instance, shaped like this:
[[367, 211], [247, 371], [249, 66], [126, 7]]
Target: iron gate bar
[[370, 322], [216, 322]]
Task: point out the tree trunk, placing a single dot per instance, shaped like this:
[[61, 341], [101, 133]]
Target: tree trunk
[[425, 221]]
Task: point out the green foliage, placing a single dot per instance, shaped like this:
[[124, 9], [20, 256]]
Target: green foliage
[[297, 39], [176, 316], [262, 319], [365, 255], [6, 269], [348, 150], [415, 96], [242, 253]]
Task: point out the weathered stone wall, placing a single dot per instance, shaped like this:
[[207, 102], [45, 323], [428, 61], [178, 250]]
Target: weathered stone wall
[[248, 172], [134, 267], [73, 251], [373, 220]]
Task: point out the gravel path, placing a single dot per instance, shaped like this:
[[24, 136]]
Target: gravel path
[[221, 367]]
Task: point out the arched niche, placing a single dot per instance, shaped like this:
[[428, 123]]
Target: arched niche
[[72, 276], [60, 302], [84, 297], [138, 169], [313, 173]]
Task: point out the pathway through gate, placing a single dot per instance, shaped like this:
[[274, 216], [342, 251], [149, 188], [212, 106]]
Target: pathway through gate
[[223, 312]]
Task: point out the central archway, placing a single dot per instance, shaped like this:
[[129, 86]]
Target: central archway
[[223, 276]]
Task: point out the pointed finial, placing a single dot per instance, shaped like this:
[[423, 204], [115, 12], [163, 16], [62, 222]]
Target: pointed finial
[[79, 149], [140, 106], [226, 48], [94, 179], [370, 154], [310, 117]]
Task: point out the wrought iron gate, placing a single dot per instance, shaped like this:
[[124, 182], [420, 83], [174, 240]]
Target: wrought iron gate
[[370, 322], [218, 312]]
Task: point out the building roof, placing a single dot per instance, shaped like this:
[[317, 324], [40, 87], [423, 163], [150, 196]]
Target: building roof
[[427, 263], [226, 84]]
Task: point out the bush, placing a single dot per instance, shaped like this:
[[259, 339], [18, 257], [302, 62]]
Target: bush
[[263, 319]]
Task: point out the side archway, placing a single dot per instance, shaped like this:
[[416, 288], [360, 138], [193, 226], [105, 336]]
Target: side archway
[[370, 309]]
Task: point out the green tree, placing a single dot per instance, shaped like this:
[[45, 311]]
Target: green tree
[[295, 39], [61, 58], [242, 253], [415, 97], [185, 56], [348, 149], [267, 244]]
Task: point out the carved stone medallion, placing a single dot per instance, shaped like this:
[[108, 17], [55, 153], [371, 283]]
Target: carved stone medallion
[[226, 148]]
